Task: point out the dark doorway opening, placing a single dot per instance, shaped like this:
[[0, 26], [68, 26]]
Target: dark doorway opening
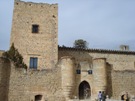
[[38, 97], [122, 97], [84, 90]]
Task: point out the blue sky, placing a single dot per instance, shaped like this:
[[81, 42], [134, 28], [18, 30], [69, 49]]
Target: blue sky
[[104, 24]]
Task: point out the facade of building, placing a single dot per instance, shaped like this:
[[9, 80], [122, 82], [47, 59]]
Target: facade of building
[[60, 73]]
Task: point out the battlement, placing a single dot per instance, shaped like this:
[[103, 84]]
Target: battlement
[[32, 3], [22, 5]]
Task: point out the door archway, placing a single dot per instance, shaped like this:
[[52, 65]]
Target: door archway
[[84, 90], [38, 97]]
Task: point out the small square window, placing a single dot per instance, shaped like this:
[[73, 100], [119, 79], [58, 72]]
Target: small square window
[[78, 71], [33, 62], [89, 71], [35, 28]]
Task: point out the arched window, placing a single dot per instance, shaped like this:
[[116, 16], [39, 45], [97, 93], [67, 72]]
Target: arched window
[[38, 97]]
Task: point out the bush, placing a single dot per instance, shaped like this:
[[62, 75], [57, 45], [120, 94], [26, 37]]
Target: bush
[[15, 56]]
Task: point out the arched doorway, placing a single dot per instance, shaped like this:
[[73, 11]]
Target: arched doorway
[[122, 97], [84, 90], [125, 97]]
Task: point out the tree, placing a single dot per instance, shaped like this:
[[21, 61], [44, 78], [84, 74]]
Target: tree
[[80, 43], [15, 56]]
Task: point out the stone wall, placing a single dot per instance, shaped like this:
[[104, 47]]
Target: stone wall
[[25, 86], [122, 82], [17, 84], [43, 44], [4, 79], [117, 61]]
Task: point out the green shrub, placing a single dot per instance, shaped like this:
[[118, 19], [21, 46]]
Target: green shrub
[[15, 56]]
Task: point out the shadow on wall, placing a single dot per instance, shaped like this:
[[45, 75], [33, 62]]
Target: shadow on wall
[[109, 80], [5, 69], [78, 55]]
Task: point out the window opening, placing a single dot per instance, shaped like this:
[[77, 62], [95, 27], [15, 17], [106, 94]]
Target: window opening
[[35, 28], [33, 62], [38, 97], [89, 71]]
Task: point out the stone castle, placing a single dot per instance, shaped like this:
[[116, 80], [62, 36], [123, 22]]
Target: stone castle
[[60, 73]]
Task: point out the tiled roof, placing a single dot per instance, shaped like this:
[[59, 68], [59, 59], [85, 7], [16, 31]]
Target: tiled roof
[[97, 50]]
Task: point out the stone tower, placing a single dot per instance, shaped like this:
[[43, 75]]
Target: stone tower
[[100, 75], [34, 33]]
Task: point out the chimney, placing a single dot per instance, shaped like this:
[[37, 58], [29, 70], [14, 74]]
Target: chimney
[[124, 47]]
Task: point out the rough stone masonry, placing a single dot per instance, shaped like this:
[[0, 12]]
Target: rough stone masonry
[[60, 73]]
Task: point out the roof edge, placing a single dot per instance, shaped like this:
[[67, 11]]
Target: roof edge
[[97, 50]]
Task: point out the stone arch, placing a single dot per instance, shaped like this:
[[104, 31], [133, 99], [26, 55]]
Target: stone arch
[[84, 90], [38, 98], [122, 95]]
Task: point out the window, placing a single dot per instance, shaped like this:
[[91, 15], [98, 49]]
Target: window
[[33, 62], [89, 71], [35, 28], [78, 71]]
